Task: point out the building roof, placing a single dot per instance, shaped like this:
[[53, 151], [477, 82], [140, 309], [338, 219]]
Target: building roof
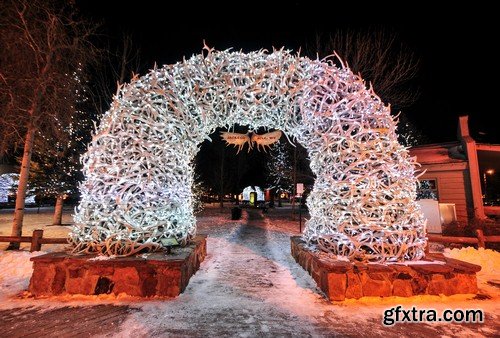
[[439, 153]]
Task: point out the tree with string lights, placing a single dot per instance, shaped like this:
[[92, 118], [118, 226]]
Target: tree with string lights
[[280, 170], [44, 46], [56, 169]]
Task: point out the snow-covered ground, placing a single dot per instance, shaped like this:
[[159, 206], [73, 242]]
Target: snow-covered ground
[[35, 218], [249, 285]]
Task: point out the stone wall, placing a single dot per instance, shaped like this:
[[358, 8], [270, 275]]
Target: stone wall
[[341, 279], [147, 275]]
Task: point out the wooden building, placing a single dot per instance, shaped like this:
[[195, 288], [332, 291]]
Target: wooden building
[[453, 174]]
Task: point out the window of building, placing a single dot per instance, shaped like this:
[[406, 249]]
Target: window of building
[[427, 189]]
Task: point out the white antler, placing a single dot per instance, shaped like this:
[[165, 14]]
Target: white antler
[[265, 140], [237, 140]]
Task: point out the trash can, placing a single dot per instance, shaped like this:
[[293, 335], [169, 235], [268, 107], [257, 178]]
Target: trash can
[[235, 213]]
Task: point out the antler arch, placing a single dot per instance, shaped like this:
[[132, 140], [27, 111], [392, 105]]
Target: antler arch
[[138, 167]]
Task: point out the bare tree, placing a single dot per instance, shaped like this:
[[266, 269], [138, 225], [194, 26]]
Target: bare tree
[[383, 60], [45, 48], [118, 64]]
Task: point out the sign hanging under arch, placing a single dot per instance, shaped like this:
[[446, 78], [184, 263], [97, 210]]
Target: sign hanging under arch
[[261, 140]]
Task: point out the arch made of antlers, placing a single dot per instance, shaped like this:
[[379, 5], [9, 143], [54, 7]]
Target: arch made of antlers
[[138, 172]]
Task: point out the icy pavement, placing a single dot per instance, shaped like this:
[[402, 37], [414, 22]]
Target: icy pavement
[[88, 321], [248, 286], [245, 287]]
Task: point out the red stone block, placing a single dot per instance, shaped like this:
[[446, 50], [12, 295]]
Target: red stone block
[[76, 272], [72, 286], [354, 289], [41, 280], [88, 285], [381, 286], [458, 283], [379, 268], [341, 279], [461, 266], [402, 288], [438, 285], [149, 285], [334, 285], [169, 283], [101, 270], [157, 275], [419, 285], [59, 279], [126, 280]]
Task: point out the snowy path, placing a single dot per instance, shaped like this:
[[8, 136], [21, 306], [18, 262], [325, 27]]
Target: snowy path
[[243, 288], [248, 286]]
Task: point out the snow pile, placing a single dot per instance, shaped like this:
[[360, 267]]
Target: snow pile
[[101, 258], [488, 259], [15, 272], [34, 220]]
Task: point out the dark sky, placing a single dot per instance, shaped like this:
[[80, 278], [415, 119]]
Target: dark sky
[[457, 74]]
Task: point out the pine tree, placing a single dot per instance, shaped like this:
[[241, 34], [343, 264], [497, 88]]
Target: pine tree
[[408, 134], [56, 168], [280, 170]]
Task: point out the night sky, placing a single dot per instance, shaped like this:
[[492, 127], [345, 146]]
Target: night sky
[[457, 73]]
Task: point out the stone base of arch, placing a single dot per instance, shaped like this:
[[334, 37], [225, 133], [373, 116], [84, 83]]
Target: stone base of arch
[[340, 279], [150, 275]]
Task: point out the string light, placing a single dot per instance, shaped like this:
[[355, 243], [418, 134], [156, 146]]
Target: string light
[[8, 185], [279, 169], [55, 165]]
